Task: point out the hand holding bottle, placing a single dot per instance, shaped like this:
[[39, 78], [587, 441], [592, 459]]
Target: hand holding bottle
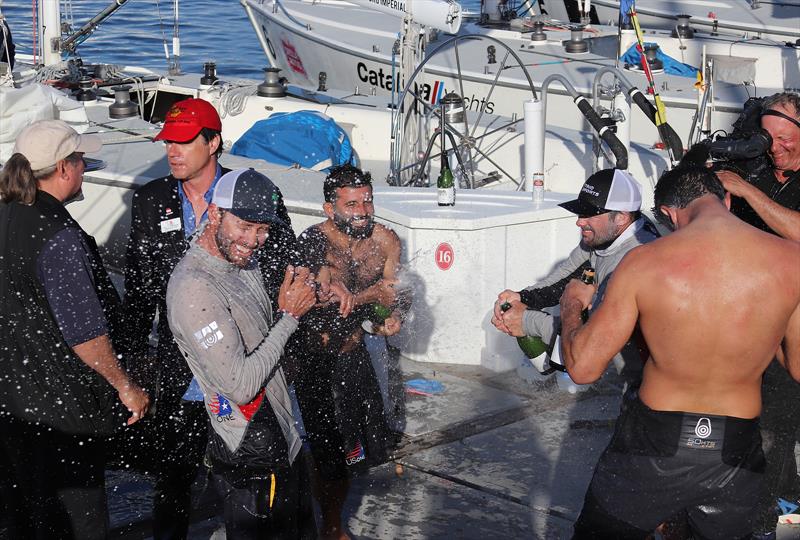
[[510, 320], [506, 297]]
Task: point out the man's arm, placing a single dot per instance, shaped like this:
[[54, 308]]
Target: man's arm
[[782, 220], [588, 348], [200, 319], [98, 354], [141, 294], [63, 268]]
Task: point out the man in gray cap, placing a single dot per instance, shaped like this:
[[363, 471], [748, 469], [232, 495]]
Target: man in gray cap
[[608, 209], [59, 371], [222, 319]]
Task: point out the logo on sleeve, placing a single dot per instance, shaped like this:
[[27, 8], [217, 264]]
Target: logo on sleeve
[[221, 407], [209, 335]]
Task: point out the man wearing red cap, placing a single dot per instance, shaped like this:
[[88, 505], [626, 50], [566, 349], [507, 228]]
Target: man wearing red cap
[[166, 212]]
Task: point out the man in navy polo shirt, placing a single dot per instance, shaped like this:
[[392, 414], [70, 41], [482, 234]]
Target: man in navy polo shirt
[[166, 212]]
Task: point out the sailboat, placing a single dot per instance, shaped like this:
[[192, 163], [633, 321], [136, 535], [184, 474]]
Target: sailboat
[[778, 21]]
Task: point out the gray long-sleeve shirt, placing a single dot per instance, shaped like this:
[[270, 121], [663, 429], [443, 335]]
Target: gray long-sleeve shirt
[[221, 318], [544, 324]]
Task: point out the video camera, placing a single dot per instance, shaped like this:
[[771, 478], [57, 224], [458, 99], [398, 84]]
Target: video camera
[[748, 139], [744, 151]]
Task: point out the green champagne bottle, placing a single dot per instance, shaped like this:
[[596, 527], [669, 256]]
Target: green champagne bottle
[[587, 277], [445, 186], [377, 317], [532, 346]]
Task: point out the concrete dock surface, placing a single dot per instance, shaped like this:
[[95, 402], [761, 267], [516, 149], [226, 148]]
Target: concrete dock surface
[[491, 456]]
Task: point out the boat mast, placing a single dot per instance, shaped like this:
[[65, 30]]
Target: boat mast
[[50, 31]]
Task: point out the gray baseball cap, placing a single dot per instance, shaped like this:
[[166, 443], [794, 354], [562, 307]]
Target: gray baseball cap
[[249, 195]]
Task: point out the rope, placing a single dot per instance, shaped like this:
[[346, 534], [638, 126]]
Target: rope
[[34, 28], [233, 97], [163, 34]]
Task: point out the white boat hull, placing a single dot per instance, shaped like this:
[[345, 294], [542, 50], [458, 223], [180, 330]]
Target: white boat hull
[[326, 37], [779, 20]]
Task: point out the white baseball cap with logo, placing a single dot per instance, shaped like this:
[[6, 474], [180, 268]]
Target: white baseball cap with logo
[[604, 191], [47, 142]]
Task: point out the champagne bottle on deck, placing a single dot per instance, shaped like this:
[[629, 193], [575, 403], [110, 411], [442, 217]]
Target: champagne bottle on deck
[[445, 185]]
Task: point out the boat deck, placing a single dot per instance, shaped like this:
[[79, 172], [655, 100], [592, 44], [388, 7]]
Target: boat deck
[[493, 456]]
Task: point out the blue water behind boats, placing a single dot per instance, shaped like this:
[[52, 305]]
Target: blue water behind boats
[[216, 30]]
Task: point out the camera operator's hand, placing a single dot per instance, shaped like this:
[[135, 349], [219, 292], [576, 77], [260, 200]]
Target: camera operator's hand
[[733, 183]]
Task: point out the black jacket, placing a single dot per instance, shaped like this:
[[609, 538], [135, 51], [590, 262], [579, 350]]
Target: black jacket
[[41, 379], [151, 257]]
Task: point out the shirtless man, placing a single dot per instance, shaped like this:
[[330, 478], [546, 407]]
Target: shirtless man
[[715, 301], [356, 261]]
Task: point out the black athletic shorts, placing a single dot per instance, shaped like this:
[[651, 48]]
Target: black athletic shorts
[[663, 463], [343, 415]]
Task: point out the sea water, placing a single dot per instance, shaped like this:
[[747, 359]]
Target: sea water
[[217, 30]]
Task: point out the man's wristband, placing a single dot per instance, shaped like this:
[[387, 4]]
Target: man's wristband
[[290, 314]]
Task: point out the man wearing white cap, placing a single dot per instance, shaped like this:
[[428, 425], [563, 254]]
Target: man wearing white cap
[[222, 319], [716, 300], [59, 371], [608, 209]]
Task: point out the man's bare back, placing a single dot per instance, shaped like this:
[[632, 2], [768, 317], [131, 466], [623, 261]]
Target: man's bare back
[[714, 322], [713, 301]]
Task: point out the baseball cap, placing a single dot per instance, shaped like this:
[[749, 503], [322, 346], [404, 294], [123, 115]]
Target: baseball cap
[[604, 191], [249, 195], [47, 142], [186, 118]]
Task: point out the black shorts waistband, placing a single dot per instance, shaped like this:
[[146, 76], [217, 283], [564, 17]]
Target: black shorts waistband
[[645, 431]]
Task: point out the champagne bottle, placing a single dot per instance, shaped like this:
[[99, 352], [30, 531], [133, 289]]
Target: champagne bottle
[[532, 346], [588, 278], [445, 186], [377, 317]]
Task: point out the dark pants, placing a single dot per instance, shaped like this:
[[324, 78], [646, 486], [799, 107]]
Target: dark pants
[[780, 429], [171, 448], [660, 464], [263, 504], [183, 435], [54, 483]]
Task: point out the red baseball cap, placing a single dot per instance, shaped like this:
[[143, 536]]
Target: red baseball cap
[[186, 118]]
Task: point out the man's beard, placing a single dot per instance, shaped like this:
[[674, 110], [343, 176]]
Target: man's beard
[[346, 226], [601, 243], [226, 248]]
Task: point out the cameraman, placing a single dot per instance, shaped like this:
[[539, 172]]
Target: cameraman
[[774, 206], [774, 199]]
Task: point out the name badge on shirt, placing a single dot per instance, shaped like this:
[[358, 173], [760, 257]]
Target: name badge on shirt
[[169, 225]]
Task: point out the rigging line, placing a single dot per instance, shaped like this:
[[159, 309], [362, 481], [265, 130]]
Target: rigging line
[[161, 27], [34, 26]]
